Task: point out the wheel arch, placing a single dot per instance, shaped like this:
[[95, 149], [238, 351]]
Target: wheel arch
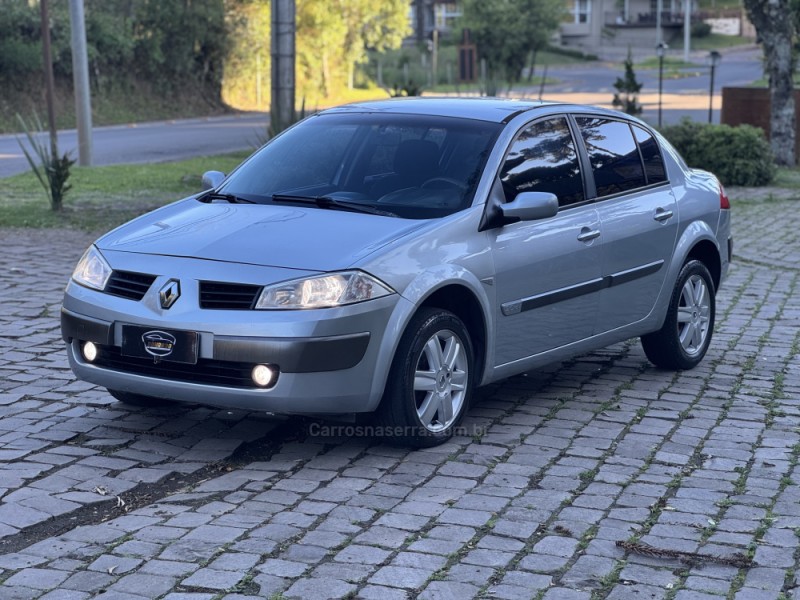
[[707, 253], [696, 242], [462, 302]]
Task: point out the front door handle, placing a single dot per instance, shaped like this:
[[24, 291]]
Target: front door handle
[[662, 215], [587, 235]]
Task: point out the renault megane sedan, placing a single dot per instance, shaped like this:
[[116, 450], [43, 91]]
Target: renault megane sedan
[[389, 257]]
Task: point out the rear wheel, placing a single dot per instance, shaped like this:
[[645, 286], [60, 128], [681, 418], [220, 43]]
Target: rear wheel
[[138, 399], [684, 339], [430, 381]]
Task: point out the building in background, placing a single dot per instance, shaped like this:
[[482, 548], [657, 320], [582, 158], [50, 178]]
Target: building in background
[[593, 24], [427, 15]]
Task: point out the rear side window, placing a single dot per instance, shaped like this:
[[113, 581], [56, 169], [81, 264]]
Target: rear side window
[[613, 154], [543, 159], [651, 155]]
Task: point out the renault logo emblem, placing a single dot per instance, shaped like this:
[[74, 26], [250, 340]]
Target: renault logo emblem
[[169, 293]]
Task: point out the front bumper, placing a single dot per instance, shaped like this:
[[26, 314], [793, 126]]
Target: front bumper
[[327, 359]]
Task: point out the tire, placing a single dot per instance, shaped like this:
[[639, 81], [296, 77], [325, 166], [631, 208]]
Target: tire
[[138, 400], [422, 411], [683, 340]]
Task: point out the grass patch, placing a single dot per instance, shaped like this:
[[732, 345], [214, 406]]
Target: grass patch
[[716, 41], [104, 197], [786, 177], [669, 63]]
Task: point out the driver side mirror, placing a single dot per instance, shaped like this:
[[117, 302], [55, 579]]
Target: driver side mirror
[[530, 206], [212, 179]]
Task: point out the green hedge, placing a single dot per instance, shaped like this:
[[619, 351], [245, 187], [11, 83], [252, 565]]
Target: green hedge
[[737, 155]]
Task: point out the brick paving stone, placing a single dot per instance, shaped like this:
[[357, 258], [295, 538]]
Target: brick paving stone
[[282, 568], [363, 555], [479, 576], [116, 565], [65, 595], [319, 589], [448, 590], [40, 579], [401, 577], [213, 579], [379, 592], [88, 581]]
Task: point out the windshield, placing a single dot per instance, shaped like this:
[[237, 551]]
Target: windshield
[[411, 166]]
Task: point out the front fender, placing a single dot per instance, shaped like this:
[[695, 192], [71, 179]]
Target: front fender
[[413, 296]]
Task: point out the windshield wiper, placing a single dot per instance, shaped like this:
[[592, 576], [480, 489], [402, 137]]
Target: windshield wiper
[[232, 198], [333, 203]]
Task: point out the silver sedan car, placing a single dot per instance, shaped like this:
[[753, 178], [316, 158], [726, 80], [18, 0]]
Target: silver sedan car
[[389, 257]]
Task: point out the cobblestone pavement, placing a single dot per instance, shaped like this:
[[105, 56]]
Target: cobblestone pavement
[[195, 503]]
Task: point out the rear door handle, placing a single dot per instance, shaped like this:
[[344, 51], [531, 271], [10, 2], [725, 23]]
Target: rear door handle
[[587, 235], [662, 215]]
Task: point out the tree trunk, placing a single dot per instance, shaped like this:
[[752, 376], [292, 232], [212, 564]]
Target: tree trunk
[[774, 23]]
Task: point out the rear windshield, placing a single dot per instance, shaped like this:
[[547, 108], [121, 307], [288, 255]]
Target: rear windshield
[[409, 166]]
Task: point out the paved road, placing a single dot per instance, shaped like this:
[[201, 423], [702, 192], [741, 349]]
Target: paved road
[[555, 467], [152, 142]]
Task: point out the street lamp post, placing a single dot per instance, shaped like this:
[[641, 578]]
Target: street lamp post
[[661, 49], [714, 58]]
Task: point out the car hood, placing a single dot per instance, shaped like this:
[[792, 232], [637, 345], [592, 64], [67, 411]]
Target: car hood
[[312, 239]]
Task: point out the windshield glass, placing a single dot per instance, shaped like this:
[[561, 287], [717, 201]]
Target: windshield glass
[[411, 166]]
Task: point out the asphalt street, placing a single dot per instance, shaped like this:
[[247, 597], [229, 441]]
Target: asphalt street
[[152, 142], [599, 478]]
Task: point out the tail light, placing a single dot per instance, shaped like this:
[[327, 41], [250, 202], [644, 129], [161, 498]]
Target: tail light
[[724, 203]]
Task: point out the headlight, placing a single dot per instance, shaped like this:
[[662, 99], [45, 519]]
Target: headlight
[[324, 291], [92, 270]]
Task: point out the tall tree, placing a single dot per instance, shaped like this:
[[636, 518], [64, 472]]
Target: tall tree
[[506, 31], [375, 25], [775, 22]]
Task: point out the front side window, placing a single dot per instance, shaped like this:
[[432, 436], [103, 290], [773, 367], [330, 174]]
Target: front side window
[[543, 159], [613, 154]]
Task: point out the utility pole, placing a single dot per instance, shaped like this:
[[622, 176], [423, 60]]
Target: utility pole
[[687, 28], [80, 77], [283, 54], [48, 78]]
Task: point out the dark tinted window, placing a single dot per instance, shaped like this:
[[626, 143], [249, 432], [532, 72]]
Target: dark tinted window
[[651, 154], [613, 155], [543, 159]]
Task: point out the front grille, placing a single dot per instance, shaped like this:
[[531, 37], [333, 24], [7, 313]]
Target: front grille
[[129, 285], [230, 296], [214, 372]]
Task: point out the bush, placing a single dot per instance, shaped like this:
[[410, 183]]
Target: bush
[[737, 155], [701, 29]]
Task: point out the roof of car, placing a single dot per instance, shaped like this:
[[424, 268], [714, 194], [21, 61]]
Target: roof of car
[[482, 108]]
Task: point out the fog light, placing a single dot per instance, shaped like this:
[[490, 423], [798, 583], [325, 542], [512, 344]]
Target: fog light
[[89, 351], [263, 375]]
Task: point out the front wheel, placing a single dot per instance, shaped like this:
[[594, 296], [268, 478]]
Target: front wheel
[[430, 381], [684, 339]]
